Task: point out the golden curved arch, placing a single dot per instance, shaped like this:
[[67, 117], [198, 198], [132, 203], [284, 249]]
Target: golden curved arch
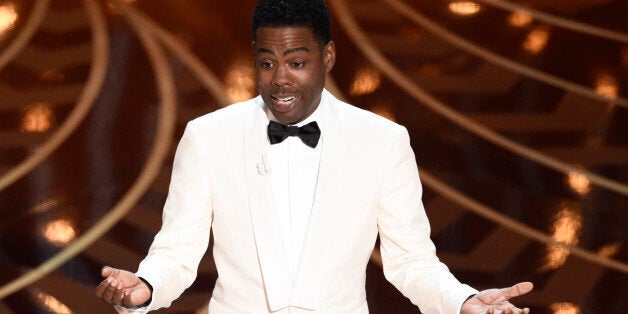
[[494, 58], [560, 21], [493, 215], [509, 223], [395, 75], [359, 38], [24, 36], [95, 80], [159, 152], [209, 80]]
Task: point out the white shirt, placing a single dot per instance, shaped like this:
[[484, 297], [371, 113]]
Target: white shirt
[[294, 172]]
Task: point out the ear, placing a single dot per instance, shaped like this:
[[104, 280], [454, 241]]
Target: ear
[[329, 56]]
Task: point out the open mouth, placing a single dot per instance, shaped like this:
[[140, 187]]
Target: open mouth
[[283, 104]]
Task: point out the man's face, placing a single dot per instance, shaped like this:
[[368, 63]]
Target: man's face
[[290, 67]]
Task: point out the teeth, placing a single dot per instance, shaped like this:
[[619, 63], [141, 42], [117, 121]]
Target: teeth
[[286, 99]]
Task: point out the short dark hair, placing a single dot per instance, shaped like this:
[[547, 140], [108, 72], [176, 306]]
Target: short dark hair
[[285, 13]]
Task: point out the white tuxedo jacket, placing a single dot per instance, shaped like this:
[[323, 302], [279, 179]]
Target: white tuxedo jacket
[[367, 184]]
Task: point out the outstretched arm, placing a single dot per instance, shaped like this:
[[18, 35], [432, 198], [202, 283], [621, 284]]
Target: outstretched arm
[[497, 300], [121, 287], [171, 263]]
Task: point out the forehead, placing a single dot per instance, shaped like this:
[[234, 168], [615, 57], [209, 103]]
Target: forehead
[[277, 39]]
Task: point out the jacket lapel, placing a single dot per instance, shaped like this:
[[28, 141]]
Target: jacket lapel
[[315, 255], [272, 255]]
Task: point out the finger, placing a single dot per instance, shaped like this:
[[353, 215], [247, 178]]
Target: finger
[[517, 290], [118, 296], [111, 289], [519, 311], [100, 289], [106, 271], [507, 308], [109, 272]]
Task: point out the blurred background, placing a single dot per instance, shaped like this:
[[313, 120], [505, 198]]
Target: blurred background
[[517, 111]]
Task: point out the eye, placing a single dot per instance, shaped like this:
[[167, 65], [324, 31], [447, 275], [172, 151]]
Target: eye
[[298, 64], [266, 64]]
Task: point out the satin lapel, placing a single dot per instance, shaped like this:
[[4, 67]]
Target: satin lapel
[[315, 256], [272, 255]]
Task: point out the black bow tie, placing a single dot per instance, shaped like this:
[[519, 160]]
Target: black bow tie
[[309, 133]]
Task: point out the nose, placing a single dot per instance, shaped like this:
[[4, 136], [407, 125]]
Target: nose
[[281, 77]]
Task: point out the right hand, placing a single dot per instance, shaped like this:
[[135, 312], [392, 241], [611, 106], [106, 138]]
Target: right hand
[[122, 287]]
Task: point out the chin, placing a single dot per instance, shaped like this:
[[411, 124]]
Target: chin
[[286, 120]]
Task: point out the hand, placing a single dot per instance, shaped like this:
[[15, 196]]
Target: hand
[[121, 287], [495, 301]]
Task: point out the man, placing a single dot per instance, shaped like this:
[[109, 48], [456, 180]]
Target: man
[[296, 185]]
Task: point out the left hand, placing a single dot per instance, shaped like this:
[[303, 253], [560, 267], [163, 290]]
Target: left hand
[[495, 301]]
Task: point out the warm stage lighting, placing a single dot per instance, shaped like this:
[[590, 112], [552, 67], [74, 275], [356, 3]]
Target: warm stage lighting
[[519, 18], [59, 232], [37, 118], [609, 250], [536, 40], [240, 81], [51, 75], [564, 308], [579, 183], [8, 17], [52, 304], [464, 8], [565, 229], [607, 85], [366, 81]]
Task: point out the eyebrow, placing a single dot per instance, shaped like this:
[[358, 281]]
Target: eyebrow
[[285, 53]]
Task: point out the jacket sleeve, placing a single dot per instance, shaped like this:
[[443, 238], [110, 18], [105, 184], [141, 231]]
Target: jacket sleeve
[[408, 255], [172, 261]]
